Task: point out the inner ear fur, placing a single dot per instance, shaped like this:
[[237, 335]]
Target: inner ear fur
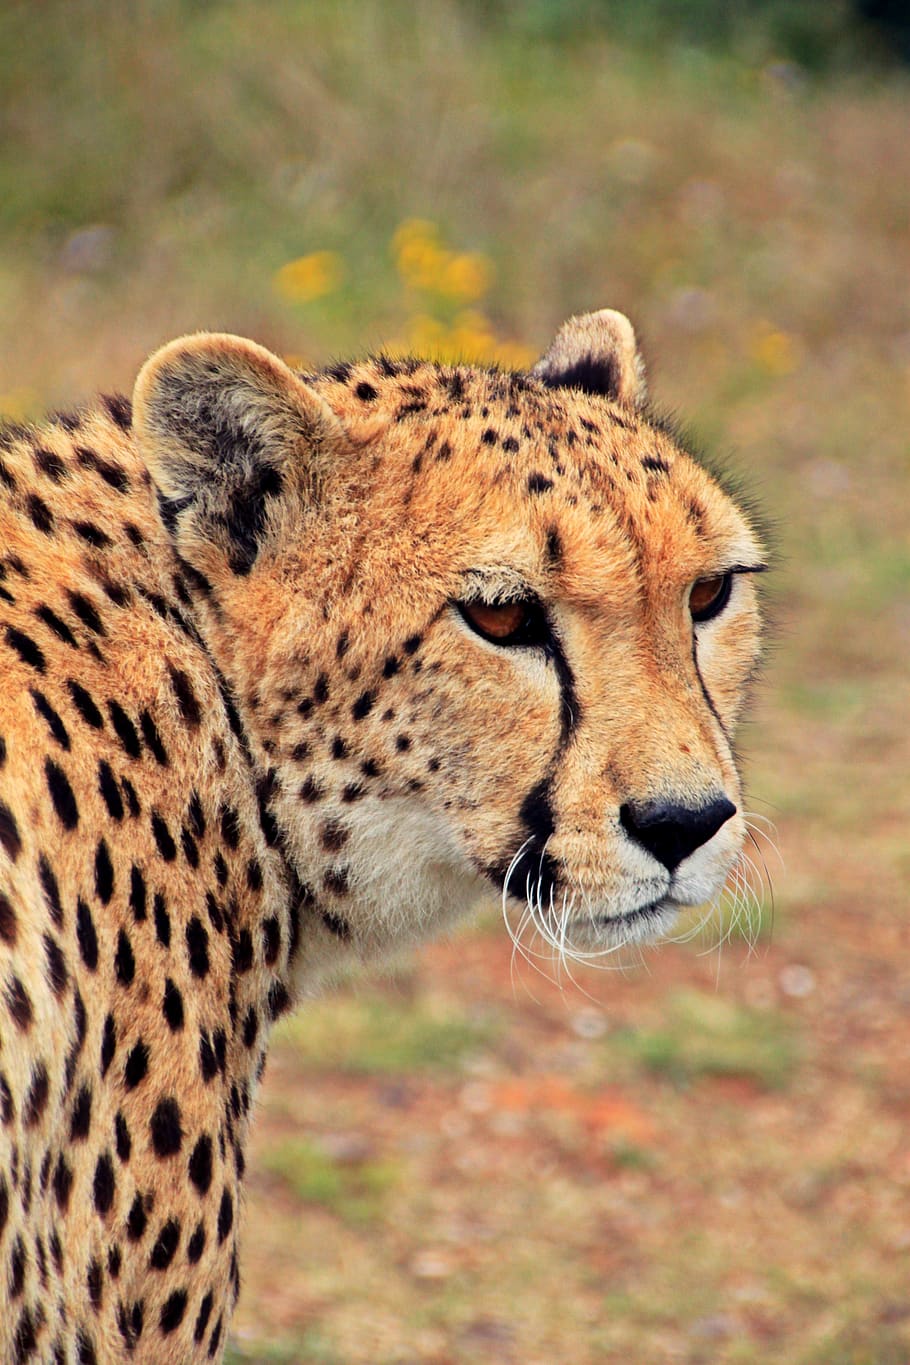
[[597, 353], [225, 428]]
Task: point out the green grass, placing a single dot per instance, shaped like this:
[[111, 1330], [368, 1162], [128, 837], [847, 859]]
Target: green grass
[[377, 1035], [355, 1191], [708, 1036]]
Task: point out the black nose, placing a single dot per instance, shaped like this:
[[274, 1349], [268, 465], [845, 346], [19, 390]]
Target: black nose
[[672, 832]]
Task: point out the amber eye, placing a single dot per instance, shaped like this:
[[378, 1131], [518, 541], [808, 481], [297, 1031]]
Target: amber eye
[[709, 596], [507, 623]]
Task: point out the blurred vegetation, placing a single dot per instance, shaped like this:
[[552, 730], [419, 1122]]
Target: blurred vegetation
[[378, 1035]]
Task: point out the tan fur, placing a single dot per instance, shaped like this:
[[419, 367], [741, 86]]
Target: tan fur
[[246, 736]]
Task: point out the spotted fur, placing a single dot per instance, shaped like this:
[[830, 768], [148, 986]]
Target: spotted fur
[[248, 734]]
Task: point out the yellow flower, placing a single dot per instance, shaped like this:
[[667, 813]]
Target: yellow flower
[[774, 351], [467, 276], [309, 277]]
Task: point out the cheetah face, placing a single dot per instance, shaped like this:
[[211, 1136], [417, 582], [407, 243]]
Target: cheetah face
[[483, 630]]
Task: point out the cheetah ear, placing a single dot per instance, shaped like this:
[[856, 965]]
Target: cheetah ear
[[226, 429], [598, 353]]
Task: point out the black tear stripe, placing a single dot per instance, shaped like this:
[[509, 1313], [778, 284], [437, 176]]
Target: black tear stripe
[[709, 700], [569, 709], [535, 872]]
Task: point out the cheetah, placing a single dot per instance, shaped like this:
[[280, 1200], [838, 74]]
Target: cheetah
[[294, 667]]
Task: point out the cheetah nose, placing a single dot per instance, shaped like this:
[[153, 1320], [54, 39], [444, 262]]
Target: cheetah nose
[[671, 832]]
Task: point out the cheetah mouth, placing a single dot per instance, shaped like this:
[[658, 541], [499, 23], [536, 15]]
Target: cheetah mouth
[[645, 924]]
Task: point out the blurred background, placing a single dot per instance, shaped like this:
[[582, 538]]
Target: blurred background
[[702, 1157]]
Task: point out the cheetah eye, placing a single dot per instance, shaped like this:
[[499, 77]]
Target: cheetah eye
[[507, 623], [709, 596]]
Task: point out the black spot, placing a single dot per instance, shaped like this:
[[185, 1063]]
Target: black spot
[[54, 623], [321, 689], [352, 792], [92, 534], [365, 392], [132, 800], [41, 515], [205, 1309], [114, 1261], [51, 890], [403, 743], [165, 843], [86, 934], [110, 792], [95, 1282], [153, 739], [124, 961], [85, 705], [19, 1004], [50, 464], [111, 473], [190, 850], [103, 1185], [554, 546], [221, 869], [87, 613], [62, 1183], [136, 1067], [200, 1165], [138, 895], [104, 873], [539, 483], [250, 1027], [165, 1128], [225, 1216], [17, 1263], [108, 1044], [26, 648], [122, 1137], [25, 1342], [162, 921], [186, 697], [197, 947], [166, 1245], [655, 464], [137, 1220], [279, 1000], [336, 881], [120, 409], [242, 952], [271, 940], [85, 1348], [10, 838], [230, 827], [124, 729], [9, 929], [310, 791], [196, 1245], [57, 974], [254, 875], [363, 705], [173, 1311], [36, 1096]]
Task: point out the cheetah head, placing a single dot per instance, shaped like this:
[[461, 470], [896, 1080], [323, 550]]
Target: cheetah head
[[482, 629]]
